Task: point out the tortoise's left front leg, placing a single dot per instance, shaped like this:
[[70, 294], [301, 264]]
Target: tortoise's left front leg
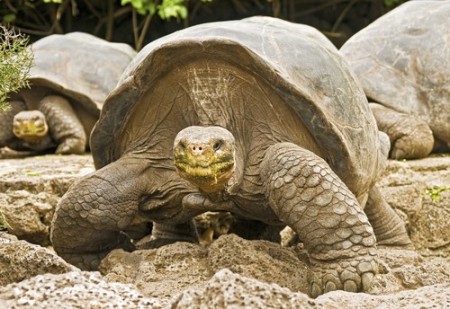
[[64, 125], [310, 198]]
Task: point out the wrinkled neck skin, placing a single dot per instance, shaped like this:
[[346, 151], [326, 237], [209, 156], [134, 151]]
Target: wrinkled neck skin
[[232, 185], [39, 143]]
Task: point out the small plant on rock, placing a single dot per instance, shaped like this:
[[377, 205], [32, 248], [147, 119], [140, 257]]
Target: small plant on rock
[[435, 193]]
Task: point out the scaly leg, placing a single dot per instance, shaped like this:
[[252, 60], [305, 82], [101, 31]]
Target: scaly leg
[[90, 217], [310, 198], [65, 127], [389, 228], [410, 137]]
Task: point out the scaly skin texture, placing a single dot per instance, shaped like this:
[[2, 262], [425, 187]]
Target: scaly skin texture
[[308, 196], [65, 127], [389, 229], [88, 221], [411, 137]]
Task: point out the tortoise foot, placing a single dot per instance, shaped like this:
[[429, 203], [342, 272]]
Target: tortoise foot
[[350, 274], [85, 261], [71, 146], [165, 234]]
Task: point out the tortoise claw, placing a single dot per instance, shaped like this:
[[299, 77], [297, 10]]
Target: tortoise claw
[[351, 275]]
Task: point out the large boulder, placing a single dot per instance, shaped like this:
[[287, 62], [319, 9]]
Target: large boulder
[[73, 290], [229, 290], [420, 191], [21, 260], [30, 189]]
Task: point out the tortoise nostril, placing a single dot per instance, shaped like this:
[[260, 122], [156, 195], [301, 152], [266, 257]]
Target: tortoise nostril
[[197, 149]]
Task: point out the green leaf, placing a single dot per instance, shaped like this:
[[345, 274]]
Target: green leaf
[[9, 18], [435, 193], [172, 8]]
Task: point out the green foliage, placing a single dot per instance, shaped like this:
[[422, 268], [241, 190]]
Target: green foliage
[[166, 9], [390, 4], [172, 8], [15, 63], [435, 193], [143, 7]]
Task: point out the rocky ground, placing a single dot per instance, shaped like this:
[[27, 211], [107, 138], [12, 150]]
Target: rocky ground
[[229, 272]]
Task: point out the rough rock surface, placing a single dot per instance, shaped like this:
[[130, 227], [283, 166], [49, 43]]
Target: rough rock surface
[[75, 289], [170, 269], [228, 290], [420, 191], [21, 260], [30, 189], [228, 271]]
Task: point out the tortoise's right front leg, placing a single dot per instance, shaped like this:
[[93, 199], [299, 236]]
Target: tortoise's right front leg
[[89, 218], [309, 197]]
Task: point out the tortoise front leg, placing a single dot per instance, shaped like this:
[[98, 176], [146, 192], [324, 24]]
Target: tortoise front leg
[[410, 136], [64, 125], [90, 217], [310, 198]]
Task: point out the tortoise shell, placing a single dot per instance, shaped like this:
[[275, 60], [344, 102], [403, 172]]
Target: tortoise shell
[[80, 66], [263, 79], [403, 61]]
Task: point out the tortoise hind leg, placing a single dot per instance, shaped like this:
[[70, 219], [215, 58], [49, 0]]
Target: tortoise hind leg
[[308, 196], [389, 228], [65, 127], [410, 137]]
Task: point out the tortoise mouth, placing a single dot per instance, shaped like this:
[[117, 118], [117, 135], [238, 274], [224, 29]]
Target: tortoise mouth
[[214, 173], [30, 131]]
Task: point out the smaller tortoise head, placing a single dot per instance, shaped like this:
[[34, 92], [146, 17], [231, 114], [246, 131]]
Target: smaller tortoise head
[[205, 156], [30, 126]]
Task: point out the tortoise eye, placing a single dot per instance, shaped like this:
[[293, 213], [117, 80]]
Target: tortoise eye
[[217, 145], [182, 145]]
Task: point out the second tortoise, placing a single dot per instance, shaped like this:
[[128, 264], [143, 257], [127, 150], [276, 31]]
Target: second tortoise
[[70, 78]]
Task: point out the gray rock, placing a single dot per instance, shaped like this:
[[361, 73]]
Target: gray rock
[[73, 290], [21, 260], [420, 191], [229, 290], [168, 270], [30, 189]]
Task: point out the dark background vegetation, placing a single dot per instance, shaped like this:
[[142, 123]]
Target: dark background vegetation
[[138, 22]]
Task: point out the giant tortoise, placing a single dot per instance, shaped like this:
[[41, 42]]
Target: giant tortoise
[[258, 117], [70, 78], [403, 62]]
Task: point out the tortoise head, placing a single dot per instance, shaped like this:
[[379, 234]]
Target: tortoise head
[[205, 156], [30, 126]]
